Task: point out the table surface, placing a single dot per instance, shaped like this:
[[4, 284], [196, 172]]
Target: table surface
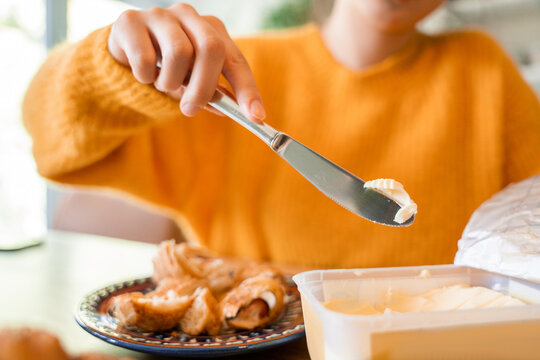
[[43, 284]]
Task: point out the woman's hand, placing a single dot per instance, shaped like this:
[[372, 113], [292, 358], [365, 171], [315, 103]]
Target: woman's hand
[[185, 43]]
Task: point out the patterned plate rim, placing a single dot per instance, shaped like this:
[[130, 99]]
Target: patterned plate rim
[[89, 316]]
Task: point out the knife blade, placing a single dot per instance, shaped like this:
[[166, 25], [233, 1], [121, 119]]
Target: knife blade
[[343, 187]]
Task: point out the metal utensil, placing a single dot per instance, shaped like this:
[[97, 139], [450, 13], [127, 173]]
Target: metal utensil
[[338, 184]]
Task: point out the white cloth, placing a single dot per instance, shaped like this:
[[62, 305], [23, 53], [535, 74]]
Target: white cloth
[[503, 234]]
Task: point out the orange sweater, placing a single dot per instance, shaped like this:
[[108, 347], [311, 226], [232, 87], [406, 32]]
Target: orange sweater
[[448, 116]]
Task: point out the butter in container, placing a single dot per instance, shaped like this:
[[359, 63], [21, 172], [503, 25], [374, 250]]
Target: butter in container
[[509, 332]]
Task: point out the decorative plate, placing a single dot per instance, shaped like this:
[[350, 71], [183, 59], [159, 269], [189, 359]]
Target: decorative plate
[[93, 316]]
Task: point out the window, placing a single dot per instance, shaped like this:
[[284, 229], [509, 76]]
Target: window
[[22, 192]]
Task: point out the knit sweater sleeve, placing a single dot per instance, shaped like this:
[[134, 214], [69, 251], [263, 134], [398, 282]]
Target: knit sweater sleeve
[[93, 124], [82, 105], [522, 125]]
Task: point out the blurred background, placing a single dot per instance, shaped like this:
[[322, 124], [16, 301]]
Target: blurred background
[[28, 28]]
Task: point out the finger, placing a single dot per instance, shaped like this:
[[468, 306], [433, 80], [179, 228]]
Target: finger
[[137, 46], [213, 110], [116, 51], [208, 64], [175, 49], [204, 77], [176, 94], [223, 88], [236, 70]]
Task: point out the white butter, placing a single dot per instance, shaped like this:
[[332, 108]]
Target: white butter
[[395, 191], [447, 298]]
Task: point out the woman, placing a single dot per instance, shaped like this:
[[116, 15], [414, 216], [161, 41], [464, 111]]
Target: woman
[[448, 116]]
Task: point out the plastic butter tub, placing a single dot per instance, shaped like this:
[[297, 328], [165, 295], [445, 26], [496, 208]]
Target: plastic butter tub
[[492, 333]]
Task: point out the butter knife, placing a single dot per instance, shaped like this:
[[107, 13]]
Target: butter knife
[[338, 184]]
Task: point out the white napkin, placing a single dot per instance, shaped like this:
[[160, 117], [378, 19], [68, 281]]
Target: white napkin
[[503, 234]]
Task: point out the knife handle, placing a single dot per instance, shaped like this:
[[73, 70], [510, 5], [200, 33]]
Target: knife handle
[[228, 106]]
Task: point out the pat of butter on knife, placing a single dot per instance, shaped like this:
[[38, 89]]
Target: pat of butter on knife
[[395, 191]]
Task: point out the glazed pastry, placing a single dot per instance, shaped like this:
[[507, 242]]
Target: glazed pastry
[[202, 316], [30, 344], [166, 264], [253, 269], [178, 260], [254, 303], [199, 292], [184, 285], [34, 344], [158, 310]]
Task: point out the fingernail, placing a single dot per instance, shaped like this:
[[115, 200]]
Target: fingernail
[[257, 110], [189, 109]]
